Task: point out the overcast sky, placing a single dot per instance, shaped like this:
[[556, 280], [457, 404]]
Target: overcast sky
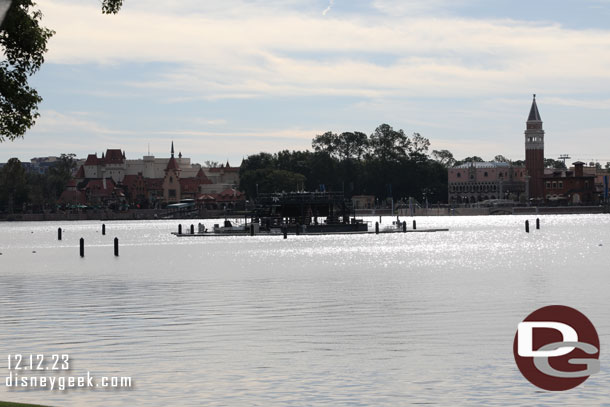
[[225, 79]]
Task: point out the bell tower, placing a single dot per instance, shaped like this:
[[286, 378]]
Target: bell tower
[[534, 152]]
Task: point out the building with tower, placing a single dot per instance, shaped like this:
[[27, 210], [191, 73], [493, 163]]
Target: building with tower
[[534, 153], [481, 181], [548, 185], [112, 179]]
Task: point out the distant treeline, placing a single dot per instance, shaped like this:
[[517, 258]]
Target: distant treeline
[[388, 163], [21, 190]]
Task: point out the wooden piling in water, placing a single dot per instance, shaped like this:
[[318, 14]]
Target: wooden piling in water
[[404, 226], [58, 233], [103, 228], [251, 229], [82, 247], [414, 225], [376, 228], [116, 246], [527, 226], [285, 230], [180, 229], [537, 223]]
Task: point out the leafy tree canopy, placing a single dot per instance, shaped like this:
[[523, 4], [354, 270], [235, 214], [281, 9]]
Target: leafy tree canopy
[[444, 157], [555, 164], [23, 41]]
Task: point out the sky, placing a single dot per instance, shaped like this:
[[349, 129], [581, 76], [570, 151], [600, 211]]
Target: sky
[[226, 79]]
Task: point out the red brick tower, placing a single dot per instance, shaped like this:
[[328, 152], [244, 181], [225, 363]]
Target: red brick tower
[[534, 152]]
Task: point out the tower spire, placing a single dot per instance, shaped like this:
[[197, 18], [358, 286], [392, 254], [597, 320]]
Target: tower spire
[[172, 149], [534, 153], [534, 114]]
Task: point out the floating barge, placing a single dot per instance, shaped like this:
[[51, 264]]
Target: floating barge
[[299, 213]]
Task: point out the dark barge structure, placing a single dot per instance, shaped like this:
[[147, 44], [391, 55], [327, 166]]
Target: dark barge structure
[[307, 212], [299, 213]]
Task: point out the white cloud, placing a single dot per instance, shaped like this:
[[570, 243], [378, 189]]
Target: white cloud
[[330, 6], [415, 7], [284, 53]]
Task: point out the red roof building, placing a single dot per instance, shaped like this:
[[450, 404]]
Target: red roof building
[[114, 156]]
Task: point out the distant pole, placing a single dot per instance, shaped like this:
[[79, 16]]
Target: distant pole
[[285, 229], [180, 229], [116, 246], [414, 225], [376, 228], [404, 226], [103, 228], [82, 247], [192, 229], [527, 226], [251, 229], [537, 223], [58, 233], [298, 232]]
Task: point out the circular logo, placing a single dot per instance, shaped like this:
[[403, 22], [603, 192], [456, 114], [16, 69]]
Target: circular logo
[[556, 348]]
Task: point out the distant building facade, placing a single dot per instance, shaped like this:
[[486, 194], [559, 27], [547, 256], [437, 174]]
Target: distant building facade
[[150, 181], [570, 187], [481, 181]]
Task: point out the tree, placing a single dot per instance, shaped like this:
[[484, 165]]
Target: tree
[[388, 144], [211, 164], [473, 159], [418, 145], [61, 173], [13, 186], [268, 180], [361, 144], [111, 6], [24, 42], [555, 164], [501, 159], [444, 157], [352, 145], [327, 143]]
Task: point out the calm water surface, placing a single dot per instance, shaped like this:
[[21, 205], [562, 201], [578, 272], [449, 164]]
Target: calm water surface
[[365, 320]]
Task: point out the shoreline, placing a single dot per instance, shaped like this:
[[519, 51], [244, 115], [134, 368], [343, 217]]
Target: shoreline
[[443, 211]]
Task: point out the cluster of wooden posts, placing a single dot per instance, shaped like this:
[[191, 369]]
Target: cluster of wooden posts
[[527, 225], [82, 241]]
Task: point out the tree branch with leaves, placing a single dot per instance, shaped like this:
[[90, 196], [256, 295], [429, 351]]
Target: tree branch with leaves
[[23, 41]]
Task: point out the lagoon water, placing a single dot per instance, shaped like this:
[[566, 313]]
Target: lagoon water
[[364, 320]]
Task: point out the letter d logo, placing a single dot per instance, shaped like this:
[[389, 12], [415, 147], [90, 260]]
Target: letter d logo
[[525, 339]]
